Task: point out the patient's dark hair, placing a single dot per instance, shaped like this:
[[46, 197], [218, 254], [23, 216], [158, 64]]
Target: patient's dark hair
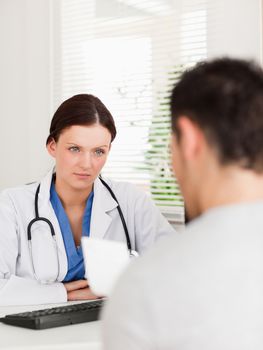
[[224, 97], [80, 109]]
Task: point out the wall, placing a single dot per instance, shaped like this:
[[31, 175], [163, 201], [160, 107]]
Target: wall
[[235, 28], [25, 89]]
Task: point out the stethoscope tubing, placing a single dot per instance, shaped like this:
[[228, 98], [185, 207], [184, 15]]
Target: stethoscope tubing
[[38, 218], [120, 213]]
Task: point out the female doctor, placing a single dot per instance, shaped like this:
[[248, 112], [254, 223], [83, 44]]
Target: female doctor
[[41, 224]]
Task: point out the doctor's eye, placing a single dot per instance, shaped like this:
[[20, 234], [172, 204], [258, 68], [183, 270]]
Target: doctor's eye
[[74, 149], [99, 152]]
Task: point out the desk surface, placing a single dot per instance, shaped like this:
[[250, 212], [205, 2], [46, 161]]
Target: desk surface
[[76, 337]]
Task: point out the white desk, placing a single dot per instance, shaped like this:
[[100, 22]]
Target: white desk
[[73, 337]]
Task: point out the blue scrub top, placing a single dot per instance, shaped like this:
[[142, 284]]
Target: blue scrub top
[[76, 270]]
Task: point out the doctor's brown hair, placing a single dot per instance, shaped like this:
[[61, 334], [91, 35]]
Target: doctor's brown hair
[[224, 97], [83, 109]]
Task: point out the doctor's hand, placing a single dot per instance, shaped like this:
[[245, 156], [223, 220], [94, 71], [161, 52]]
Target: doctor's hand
[[79, 290]]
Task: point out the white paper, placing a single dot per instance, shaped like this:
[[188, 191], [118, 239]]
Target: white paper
[[104, 262]]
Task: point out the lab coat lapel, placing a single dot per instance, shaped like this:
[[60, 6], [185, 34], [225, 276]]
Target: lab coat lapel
[[103, 203]]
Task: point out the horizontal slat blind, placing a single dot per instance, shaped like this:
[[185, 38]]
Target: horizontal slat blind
[[130, 53]]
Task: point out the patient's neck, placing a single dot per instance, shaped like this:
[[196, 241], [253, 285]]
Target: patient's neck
[[231, 185]]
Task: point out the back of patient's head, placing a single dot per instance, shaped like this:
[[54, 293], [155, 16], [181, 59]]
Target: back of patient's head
[[224, 97]]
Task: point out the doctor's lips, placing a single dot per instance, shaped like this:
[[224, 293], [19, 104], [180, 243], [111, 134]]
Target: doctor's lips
[[82, 175]]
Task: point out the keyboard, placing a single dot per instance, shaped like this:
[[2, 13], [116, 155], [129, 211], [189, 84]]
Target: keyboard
[[56, 316]]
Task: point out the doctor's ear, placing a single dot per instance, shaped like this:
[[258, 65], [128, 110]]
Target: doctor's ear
[[51, 148]]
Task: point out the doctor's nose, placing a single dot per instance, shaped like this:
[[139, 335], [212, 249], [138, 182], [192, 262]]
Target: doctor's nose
[[86, 161]]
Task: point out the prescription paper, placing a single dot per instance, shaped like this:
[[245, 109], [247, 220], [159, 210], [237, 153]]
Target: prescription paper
[[104, 262]]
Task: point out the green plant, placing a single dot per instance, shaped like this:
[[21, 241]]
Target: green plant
[[163, 186]]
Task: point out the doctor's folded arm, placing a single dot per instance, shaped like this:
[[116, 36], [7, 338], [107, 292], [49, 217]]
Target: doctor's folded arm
[[41, 224]]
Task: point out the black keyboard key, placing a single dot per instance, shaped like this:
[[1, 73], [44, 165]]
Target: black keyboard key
[[57, 316]]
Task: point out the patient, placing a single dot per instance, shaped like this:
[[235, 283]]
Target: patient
[[203, 289]]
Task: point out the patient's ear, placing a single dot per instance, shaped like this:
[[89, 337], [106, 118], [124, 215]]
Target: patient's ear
[[191, 137], [51, 148]]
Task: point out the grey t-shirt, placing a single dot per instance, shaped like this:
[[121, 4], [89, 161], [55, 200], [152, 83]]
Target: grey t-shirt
[[197, 290]]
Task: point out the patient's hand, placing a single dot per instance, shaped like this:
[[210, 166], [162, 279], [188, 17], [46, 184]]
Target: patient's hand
[[79, 290]]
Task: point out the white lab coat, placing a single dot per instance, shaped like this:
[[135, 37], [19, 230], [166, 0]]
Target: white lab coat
[[18, 285]]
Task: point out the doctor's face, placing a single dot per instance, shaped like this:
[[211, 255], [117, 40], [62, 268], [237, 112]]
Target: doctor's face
[[80, 153]]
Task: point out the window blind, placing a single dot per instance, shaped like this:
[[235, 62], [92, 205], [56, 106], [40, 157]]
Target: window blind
[[130, 53]]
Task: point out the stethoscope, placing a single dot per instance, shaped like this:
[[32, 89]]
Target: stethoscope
[[38, 218]]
